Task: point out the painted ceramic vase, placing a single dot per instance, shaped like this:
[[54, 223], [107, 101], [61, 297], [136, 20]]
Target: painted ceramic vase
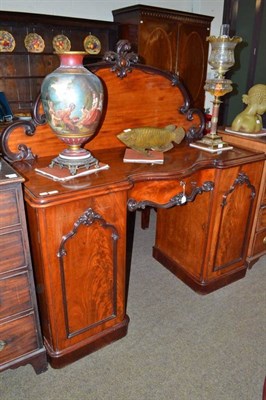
[[72, 98]]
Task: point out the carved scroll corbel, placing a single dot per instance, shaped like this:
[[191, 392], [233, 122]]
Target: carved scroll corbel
[[38, 117], [195, 133], [178, 200], [24, 152]]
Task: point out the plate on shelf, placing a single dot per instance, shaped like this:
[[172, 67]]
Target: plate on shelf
[[61, 43], [92, 44], [34, 43], [7, 42]]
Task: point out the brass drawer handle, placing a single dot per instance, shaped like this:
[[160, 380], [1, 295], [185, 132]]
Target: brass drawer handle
[[2, 345], [264, 240], [177, 200]]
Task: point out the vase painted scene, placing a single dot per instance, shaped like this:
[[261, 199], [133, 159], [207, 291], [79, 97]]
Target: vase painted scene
[[72, 99]]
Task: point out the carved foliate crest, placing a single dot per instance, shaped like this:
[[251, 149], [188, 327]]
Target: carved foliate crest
[[122, 59]]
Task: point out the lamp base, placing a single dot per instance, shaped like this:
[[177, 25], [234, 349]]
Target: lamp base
[[212, 143]]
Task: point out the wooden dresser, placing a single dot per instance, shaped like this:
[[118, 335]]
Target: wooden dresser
[[20, 334], [257, 243], [171, 40]]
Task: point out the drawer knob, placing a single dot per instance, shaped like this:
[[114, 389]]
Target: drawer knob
[[264, 240], [2, 345]]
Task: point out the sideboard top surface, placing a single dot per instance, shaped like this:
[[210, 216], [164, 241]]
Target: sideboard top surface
[[179, 163]]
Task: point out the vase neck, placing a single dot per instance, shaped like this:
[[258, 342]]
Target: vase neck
[[71, 59]]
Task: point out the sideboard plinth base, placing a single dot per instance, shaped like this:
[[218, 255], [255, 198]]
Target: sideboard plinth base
[[201, 287], [73, 353]]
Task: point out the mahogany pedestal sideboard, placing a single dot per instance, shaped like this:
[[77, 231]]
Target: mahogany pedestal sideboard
[[20, 333], [78, 236], [257, 243]]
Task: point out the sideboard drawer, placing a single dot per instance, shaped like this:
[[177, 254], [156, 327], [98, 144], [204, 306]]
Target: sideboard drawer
[[15, 295], [163, 191], [260, 242], [17, 338]]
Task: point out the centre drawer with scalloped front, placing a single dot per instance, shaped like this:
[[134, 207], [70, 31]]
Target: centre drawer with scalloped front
[[167, 193]]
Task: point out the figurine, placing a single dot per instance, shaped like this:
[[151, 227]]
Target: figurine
[[151, 138], [250, 120]]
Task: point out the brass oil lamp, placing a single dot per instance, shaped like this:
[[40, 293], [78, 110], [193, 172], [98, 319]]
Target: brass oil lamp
[[221, 60]]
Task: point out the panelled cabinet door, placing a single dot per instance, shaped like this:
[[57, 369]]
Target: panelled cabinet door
[[88, 273], [232, 212], [257, 242]]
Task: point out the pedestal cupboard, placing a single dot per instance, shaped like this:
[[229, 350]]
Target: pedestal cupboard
[[20, 334], [216, 230], [79, 251], [170, 40]]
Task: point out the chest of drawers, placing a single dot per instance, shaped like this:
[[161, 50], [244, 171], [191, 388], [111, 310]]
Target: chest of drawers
[[20, 334]]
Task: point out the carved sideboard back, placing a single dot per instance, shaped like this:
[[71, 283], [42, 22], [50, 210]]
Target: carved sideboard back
[[145, 97]]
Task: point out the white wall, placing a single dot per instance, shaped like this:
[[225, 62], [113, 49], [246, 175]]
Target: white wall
[[102, 10]]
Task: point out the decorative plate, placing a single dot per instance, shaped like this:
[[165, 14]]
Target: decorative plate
[[92, 44], [61, 43], [34, 43], [7, 41]]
